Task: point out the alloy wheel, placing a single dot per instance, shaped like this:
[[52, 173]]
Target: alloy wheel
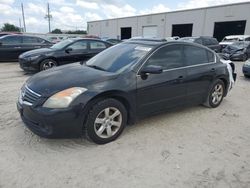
[[217, 94], [108, 122]]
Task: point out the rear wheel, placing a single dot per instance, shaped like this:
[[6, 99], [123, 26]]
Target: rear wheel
[[47, 64], [105, 121], [216, 94]]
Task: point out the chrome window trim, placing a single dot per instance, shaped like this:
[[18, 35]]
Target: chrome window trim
[[32, 91], [166, 70]]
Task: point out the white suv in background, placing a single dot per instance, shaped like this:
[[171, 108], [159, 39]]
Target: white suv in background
[[233, 38]]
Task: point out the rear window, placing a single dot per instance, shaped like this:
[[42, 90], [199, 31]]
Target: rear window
[[196, 55]]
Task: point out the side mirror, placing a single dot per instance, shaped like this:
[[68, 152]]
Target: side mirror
[[68, 50], [151, 69]]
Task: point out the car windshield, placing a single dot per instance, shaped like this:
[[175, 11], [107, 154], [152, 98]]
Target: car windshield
[[119, 57], [61, 44]]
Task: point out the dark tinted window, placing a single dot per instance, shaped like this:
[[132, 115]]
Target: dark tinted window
[[168, 57], [195, 55], [247, 39], [80, 45], [199, 41], [29, 40], [11, 40], [207, 41], [214, 41], [210, 56]]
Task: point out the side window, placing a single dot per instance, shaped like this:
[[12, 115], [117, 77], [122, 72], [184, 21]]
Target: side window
[[214, 41], [207, 42], [168, 57], [199, 41], [29, 40], [97, 45], [210, 56], [80, 45], [195, 55], [11, 40]]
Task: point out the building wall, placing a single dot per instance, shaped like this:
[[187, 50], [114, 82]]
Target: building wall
[[203, 21]]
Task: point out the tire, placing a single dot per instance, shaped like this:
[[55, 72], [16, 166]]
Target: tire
[[100, 126], [216, 94], [47, 64]]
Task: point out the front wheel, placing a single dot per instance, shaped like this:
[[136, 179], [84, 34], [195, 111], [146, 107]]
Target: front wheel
[[216, 94], [47, 64], [105, 121]]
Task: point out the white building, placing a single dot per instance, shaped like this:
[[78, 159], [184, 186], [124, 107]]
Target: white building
[[217, 21]]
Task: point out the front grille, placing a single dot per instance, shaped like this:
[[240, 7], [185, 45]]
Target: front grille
[[28, 96]]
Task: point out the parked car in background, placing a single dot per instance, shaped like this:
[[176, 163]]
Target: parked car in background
[[56, 39], [65, 52], [9, 33], [228, 40], [172, 38], [11, 46], [147, 39], [129, 81], [237, 51], [209, 42], [112, 40], [246, 69]]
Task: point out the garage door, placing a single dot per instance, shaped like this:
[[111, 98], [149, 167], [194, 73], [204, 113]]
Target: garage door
[[149, 31]]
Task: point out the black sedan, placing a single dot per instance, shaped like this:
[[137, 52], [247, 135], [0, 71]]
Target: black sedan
[[124, 83], [11, 46], [237, 51], [65, 52]]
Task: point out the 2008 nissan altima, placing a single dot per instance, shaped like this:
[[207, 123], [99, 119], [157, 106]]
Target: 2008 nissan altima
[[120, 85]]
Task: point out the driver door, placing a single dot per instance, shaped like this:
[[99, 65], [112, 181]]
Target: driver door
[[158, 92], [75, 52]]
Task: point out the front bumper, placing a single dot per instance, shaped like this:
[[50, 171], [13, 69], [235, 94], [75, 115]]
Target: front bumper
[[52, 123], [246, 70], [28, 66]]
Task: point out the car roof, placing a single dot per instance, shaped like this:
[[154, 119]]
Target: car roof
[[236, 36]]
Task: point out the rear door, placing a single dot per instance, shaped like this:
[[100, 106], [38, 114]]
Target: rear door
[[95, 47], [200, 72], [10, 48], [30, 43], [157, 92]]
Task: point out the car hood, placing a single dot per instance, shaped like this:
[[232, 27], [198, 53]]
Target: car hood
[[231, 50], [37, 52], [51, 81]]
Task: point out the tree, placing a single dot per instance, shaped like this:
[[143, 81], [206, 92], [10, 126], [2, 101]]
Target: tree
[[77, 32], [57, 31], [10, 27]]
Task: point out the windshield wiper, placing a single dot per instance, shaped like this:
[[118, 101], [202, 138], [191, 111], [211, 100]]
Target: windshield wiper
[[96, 67]]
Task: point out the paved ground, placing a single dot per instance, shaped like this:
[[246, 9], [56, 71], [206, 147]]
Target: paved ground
[[194, 147]]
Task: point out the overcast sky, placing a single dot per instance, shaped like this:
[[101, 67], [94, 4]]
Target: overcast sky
[[72, 14]]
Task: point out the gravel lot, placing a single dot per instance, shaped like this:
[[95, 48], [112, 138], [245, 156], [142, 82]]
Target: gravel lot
[[192, 147]]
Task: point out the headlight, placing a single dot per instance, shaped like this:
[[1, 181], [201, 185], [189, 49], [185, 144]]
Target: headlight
[[33, 58], [63, 98]]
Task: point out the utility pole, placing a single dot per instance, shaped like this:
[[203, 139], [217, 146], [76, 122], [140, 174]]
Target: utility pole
[[48, 16], [20, 25], [24, 25]]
